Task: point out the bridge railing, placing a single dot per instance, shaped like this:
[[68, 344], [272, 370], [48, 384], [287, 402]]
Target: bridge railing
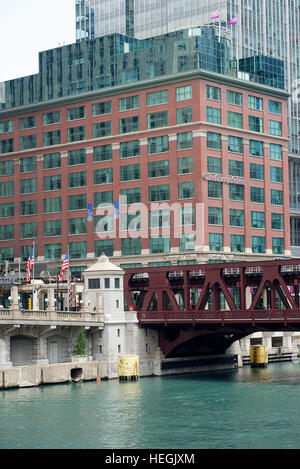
[[53, 316]]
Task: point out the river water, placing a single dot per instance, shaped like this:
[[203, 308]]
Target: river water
[[236, 409]]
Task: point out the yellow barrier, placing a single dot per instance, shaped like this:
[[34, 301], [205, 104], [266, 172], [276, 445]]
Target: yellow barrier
[[258, 356], [129, 368]]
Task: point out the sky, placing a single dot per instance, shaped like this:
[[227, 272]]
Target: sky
[[28, 27]]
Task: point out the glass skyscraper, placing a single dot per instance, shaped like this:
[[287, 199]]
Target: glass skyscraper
[[264, 27]]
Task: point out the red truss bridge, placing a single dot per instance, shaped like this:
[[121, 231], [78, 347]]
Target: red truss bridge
[[217, 303]]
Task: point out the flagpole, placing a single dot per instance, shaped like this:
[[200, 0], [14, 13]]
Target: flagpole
[[33, 249], [69, 282]]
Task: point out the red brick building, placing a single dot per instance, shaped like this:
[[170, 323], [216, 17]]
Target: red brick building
[[193, 138]]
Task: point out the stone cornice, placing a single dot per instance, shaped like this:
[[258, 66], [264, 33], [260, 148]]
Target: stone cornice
[[144, 84]]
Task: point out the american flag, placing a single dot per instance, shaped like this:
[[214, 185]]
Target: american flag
[[30, 264], [64, 267]]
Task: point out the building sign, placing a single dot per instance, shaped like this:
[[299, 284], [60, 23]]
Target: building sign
[[225, 179], [90, 212]]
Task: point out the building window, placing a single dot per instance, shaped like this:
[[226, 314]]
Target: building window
[[76, 157], [6, 232], [216, 242], [131, 102], [214, 141], [130, 149], [104, 107], [214, 165], [76, 134], [278, 245], [274, 107], [27, 122], [107, 283], [159, 245], [235, 144], [51, 138], [275, 151], [257, 195], [131, 246], [157, 119], [77, 202], [258, 220], [184, 115], [7, 254], [258, 244], [159, 193], [7, 210], [236, 192], [52, 183], [52, 161], [51, 118], [52, 205], [256, 124], [213, 92], [186, 216], [6, 146], [157, 97], [117, 283], [102, 129], [187, 242], [129, 124], [76, 113], [29, 207], [213, 115], [158, 169], [102, 153], [276, 197], [104, 224], [275, 128], [255, 103], [130, 172], [78, 250], [77, 226], [215, 216], [185, 165], [184, 140], [131, 196], [28, 186], [6, 189], [186, 190], [235, 119], [275, 174], [233, 97], [237, 243], [52, 228], [52, 252], [158, 144], [6, 168], [28, 165], [103, 176], [214, 190], [94, 283], [183, 93], [77, 179], [105, 246], [257, 171], [236, 168], [256, 148], [105, 197], [27, 142], [277, 221], [237, 217], [159, 218], [6, 127]]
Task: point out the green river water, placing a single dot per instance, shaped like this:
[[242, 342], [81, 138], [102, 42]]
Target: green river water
[[236, 409]]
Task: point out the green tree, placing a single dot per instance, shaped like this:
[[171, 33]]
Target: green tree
[[81, 343]]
